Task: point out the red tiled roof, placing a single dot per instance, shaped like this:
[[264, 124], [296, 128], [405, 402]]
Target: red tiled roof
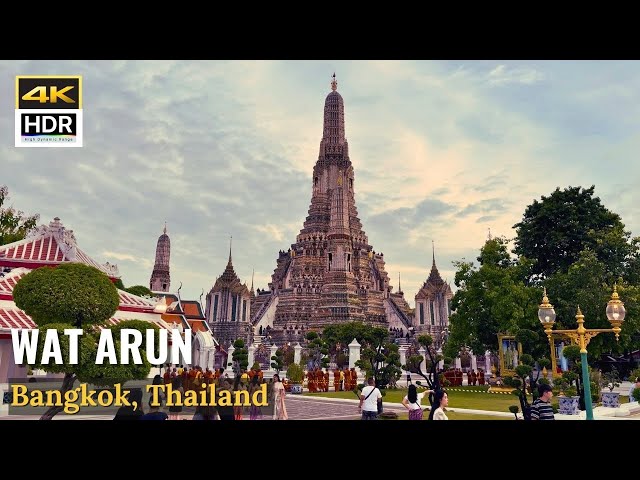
[[40, 249], [15, 318], [43, 250], [10, 279], [129, 300]]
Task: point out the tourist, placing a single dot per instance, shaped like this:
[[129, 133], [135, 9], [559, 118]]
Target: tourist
[[441, 400], [254, 410], [369, 400], [279, 393], [635, 385], [132, 412], [225, 412], [154, 412], [412, 400], [541, 408], [175, 410]]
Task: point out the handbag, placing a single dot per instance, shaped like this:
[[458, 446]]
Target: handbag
[[380, 406]]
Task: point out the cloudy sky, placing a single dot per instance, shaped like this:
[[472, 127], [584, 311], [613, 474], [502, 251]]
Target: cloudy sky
[[442, 151]]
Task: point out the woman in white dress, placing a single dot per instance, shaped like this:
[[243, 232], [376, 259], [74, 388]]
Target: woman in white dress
[[279, 393], [442, 400]]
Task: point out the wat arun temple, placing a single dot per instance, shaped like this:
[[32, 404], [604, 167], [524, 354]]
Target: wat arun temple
[[331, 274]]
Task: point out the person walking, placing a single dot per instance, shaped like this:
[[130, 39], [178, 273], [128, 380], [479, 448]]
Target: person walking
[[280, 409], [369, 400]]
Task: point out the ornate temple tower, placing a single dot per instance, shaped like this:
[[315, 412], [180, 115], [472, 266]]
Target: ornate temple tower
[[228, 308], [160, 280], [433, 305], [331, 273]]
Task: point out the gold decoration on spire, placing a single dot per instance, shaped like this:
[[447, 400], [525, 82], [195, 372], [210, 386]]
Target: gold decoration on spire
[[339, 178], [334, 84]]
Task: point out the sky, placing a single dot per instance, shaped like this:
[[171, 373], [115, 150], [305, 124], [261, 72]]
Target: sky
[[443, 151]]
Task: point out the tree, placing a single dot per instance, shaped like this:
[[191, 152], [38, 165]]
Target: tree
[[277, 361], [525, 381], [379, 358], [431, 375], [74, 295], [139, 290], [490, 299], [318, 350], [587, 284], [240, 357], [14, 224], [556, 229]]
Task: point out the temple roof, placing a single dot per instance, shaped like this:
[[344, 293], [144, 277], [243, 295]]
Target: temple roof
[[50, 245], [230, 280]]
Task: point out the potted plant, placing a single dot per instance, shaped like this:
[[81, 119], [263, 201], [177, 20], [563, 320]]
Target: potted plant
[[295, 374], [610, 380], [568, 400]]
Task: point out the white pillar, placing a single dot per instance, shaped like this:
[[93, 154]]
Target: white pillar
[[423, 365], [474, 362], [403, 358], [441, 362], [458, 362], [297, 353], [354, 353], [229, 368], [272, 353], [487, 363], [211, 352], [251, 355]]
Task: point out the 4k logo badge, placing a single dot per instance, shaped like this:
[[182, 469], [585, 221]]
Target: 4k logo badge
[[48, 111]]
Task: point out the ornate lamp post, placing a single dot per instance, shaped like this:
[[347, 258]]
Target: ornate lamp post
[[581, 335]]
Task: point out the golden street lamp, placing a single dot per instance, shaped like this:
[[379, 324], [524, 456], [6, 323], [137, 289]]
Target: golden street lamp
[[581, 335]]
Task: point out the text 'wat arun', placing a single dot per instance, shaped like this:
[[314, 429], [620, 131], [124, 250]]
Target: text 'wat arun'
[[331, 274]]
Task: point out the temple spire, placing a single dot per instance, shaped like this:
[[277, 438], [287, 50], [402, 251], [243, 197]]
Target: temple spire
[[433, 252], [230, 243], [334, 84], [160, 280], [399, 287], [489, 237], [253, 270]]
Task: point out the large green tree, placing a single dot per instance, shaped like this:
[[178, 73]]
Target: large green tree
[[587, 284], [554, 231], [491, 299], [74, 295], [14, 224], [379, 358]]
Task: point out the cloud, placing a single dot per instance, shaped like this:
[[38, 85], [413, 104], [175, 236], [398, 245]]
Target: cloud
[[221, 148], [503, 75]]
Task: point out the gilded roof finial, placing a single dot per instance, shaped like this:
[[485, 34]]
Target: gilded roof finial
[[230, 242], [334, 84]]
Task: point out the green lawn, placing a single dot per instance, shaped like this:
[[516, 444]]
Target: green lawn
[[466, 397]]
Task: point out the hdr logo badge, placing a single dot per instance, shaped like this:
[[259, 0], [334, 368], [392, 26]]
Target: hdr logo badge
[[48, 111]]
